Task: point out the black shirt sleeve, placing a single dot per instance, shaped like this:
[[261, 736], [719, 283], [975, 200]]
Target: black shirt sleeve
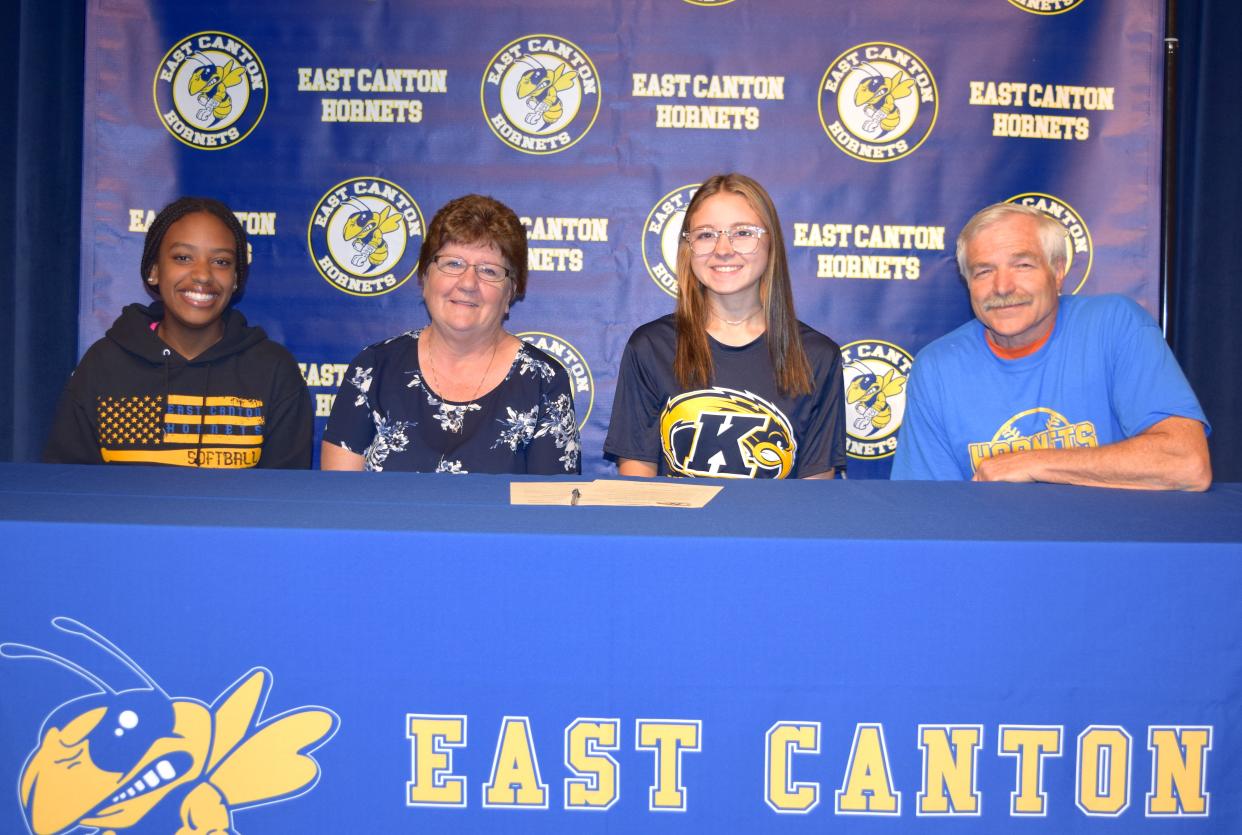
[[633, 430]]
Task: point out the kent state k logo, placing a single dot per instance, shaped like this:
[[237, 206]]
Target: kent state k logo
[[725, 433], [142, 761]]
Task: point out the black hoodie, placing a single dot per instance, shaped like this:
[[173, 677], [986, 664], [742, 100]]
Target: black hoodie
[[134, 400]]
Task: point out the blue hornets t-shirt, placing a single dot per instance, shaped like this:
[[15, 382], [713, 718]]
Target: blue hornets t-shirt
[[740, 426], [1105, 374]]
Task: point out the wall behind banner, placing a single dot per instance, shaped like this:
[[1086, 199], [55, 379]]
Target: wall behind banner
[[878, 134]]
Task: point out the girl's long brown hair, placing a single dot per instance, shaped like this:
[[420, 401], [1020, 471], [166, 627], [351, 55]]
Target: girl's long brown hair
[[692, 364]]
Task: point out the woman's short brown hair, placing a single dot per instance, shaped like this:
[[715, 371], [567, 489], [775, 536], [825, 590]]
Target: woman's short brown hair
[[477, 219]]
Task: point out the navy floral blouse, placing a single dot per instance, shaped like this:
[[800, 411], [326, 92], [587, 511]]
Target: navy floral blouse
[[387, 412]]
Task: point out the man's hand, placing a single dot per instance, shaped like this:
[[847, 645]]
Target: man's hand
[[1170, 455], [1013, 466]]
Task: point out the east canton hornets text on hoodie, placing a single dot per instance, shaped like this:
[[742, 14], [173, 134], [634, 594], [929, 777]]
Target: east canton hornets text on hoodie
[[133, 400]]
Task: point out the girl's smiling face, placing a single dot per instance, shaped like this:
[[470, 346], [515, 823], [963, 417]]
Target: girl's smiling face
[[196, 272], [723, 271]]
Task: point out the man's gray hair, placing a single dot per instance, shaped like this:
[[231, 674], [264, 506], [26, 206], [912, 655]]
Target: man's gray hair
[[1052, 236]]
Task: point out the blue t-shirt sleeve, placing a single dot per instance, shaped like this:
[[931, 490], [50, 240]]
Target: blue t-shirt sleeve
[[632, 430], [923, 450], [555, 448], [350, 425], [1147, 385]]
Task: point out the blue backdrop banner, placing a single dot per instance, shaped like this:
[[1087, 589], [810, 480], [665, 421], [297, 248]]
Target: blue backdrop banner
[[878, 129]]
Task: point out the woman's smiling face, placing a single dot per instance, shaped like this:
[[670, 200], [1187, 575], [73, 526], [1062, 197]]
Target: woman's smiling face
[[195, 271], [723, 271]]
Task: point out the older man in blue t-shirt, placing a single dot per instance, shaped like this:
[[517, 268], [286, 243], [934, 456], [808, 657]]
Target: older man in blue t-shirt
[[1075, 390]]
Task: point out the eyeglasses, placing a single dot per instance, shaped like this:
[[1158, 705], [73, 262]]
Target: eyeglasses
[[453, 266], [743, 238]]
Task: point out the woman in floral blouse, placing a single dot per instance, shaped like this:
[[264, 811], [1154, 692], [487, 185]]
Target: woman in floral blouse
[[461, 395]]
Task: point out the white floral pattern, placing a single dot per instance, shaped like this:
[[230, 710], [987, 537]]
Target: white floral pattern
[[528, 364], [554, 420], [518, 429], [560, 423], [452, 417], [361, 380], [390, 437]]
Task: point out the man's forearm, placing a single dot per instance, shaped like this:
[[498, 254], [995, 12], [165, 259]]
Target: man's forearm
[[1171, 455]]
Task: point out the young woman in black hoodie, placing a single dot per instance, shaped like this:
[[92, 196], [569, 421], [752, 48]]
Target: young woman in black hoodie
[[185, 381]]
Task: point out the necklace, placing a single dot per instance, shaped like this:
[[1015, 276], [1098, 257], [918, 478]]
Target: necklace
[[737, 322], [435, 378]]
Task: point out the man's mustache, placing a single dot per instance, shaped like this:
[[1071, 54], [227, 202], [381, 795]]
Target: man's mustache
[[1006, 300]]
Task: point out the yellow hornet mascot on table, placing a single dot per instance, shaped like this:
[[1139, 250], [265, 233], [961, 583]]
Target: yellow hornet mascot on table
[[142, 761]]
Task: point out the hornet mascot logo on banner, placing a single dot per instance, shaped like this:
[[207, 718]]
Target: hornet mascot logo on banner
[[878, 102], [875, 396], [210, 85], [877, 95], [140, 760], [1046, 7], [662, 236], [540, 94], [541, 91], [210, 90], [365, 230], [869, 395], [364, 236]]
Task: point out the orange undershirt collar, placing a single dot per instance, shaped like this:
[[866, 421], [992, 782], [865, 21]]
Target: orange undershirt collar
[[1016, 353]]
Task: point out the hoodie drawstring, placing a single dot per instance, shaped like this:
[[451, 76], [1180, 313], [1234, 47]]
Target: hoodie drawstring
[[202, 413], [202, 410], [166, 353]]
